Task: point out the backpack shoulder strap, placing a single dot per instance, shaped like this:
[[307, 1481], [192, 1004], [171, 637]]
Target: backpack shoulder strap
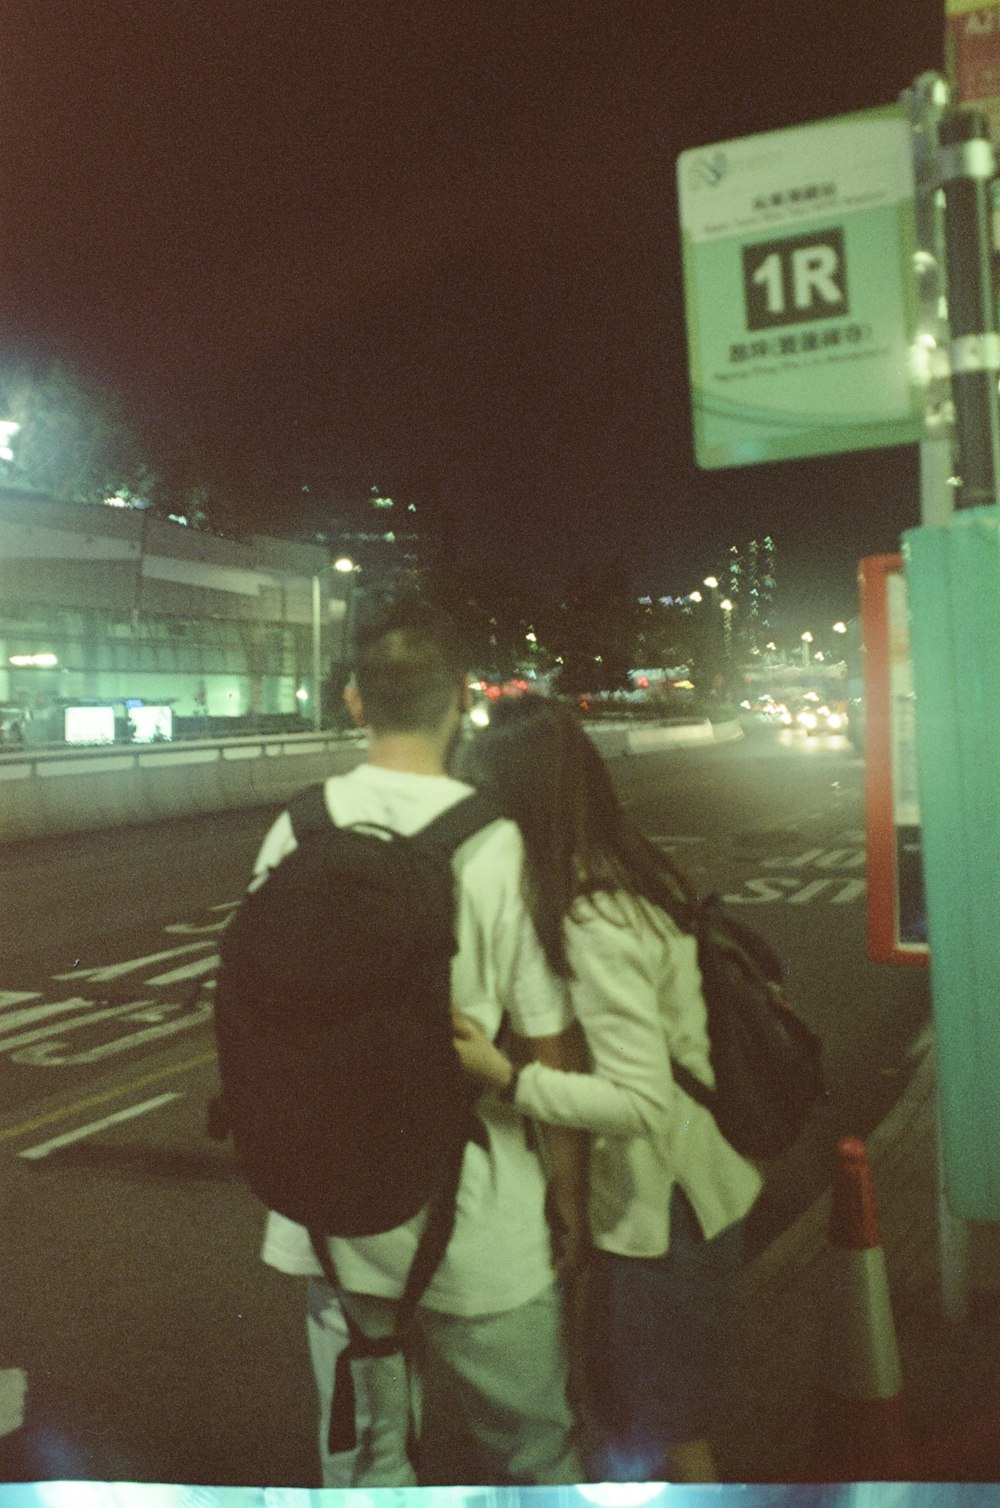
[[459, 822], [308, 811], [431, 1246]]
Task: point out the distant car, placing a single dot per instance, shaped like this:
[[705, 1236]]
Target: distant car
[[764, 707], [810, 714]]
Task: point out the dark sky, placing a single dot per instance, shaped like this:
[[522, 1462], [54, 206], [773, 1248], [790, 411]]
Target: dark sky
[[433, 247]]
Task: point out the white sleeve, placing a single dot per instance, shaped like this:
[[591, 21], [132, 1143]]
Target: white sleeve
[[500, 966], [615, 997], [279, 842]]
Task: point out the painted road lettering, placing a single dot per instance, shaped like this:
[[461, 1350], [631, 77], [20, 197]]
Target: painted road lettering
[[34, 1031], [820, 858], [52, 1054], [789, 888]]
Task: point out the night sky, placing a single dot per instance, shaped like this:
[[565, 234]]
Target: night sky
[[432, 247]]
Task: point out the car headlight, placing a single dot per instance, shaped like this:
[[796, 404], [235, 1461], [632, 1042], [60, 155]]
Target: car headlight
[[808, 719]]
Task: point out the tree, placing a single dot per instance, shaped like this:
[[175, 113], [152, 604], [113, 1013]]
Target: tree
[[596, 637], [75, 442]]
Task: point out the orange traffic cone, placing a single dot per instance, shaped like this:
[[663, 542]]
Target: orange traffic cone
[[861, 1427]]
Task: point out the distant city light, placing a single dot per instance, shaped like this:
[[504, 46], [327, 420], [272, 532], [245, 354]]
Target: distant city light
[[8, 429]]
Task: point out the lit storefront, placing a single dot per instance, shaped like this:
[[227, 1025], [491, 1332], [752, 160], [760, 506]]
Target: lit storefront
[[103, 607]]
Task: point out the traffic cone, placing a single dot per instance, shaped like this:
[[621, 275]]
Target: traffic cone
[[861, 1427]]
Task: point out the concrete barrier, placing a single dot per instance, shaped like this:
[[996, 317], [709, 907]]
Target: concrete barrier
[[47, 792], [44, 793], [647, 738]]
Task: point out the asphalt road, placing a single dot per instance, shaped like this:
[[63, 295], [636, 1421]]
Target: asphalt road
[[157, 1347]]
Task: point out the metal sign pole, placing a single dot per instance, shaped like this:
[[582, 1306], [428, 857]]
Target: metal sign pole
[[967, 166], [928, 98]]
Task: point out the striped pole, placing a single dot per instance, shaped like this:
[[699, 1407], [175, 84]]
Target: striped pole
[[861, 1427]]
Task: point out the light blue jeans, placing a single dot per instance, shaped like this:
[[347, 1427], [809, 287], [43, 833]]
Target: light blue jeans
[[486, 1396]]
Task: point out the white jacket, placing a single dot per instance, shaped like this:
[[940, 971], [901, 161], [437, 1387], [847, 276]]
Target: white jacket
[[637, 996]]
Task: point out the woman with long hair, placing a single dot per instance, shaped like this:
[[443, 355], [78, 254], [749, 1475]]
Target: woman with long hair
[[667, 1194]]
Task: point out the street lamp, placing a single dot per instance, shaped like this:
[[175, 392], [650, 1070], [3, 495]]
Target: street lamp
[[347, 567], [807, 639], [727, 634]]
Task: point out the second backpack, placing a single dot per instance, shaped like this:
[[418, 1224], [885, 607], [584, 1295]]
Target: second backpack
[[340, 1081]]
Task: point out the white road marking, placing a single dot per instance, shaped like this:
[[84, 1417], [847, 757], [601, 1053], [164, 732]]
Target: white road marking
[[191, 929], [819, 858], [188, 971], [7, 1044], [799, 861], [852, 890], [764, 891], [106, 972], [13, 1391], [15, 997], [48, 1055], [44, 1148]]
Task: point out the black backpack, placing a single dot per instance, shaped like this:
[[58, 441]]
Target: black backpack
[[340, 1083], [767, 1061]]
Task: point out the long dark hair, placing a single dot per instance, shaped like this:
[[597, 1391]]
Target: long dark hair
[[549, 778]]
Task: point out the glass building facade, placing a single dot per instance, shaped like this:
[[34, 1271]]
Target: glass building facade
[[107, 606]]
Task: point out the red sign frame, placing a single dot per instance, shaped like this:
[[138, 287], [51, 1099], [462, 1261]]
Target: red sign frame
[[893, 847]]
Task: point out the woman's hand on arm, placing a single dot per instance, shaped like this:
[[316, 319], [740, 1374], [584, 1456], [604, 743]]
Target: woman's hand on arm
[[479, 1056]]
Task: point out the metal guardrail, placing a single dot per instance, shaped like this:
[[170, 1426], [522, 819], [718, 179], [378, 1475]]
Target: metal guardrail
[[92, 759]]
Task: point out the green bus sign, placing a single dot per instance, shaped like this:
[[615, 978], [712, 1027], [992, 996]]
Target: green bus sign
[[800, 291]]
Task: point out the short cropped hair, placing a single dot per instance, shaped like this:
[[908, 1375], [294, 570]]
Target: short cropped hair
[[410, 667]]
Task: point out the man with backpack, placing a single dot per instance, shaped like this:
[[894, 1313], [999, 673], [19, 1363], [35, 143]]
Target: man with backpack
[[434, 1313]]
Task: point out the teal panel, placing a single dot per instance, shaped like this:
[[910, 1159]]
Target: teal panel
[[953, 584]]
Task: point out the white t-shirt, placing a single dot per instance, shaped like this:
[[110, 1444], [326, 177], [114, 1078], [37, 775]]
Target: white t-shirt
[[499, 1255]]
